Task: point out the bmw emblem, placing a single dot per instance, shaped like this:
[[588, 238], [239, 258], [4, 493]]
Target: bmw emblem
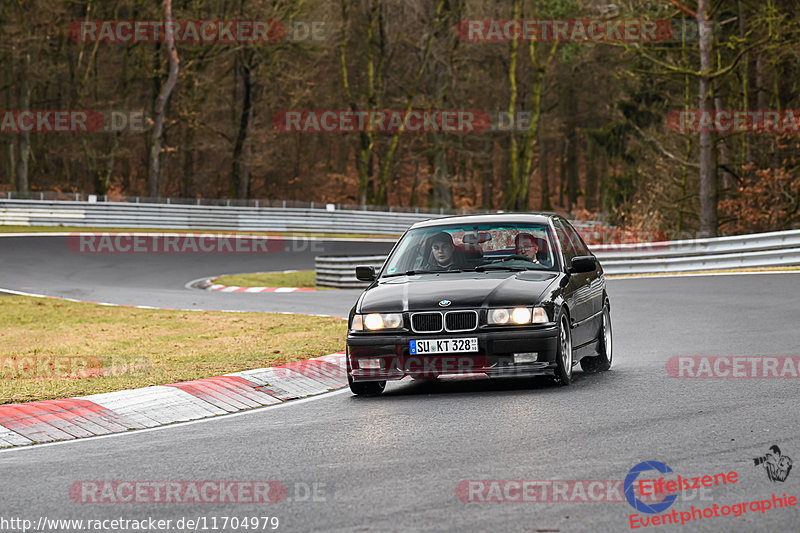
[[445, 303]]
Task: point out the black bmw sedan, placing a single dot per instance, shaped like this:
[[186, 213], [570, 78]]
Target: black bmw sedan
[[500, 295]]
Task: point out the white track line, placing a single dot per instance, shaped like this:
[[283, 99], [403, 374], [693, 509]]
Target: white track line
[[696, 274], [34, 295]]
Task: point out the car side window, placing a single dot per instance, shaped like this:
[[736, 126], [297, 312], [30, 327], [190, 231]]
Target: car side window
[[571, 243], [563, 241], [576, 240]]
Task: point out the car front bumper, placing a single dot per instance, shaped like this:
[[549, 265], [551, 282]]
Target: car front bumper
[[495, 355]]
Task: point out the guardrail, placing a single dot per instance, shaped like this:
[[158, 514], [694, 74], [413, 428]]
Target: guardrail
[[340, 271], [773, 249], [745, 251], [52, 196], [778, 248], [171, 216], [328, 218]]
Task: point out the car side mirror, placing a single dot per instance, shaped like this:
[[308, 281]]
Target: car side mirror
[[365, 273], [583, 263]]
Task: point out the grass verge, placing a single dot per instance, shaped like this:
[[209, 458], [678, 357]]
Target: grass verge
[[304, 279], [53, 349]]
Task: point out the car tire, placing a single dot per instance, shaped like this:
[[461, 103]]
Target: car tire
[[563, 371], [602, 362], [366, 388]]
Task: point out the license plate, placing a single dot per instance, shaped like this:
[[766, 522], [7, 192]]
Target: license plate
[[428, 346]]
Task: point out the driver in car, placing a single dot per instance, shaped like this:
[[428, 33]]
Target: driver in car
[[444, 252], [527, 245]]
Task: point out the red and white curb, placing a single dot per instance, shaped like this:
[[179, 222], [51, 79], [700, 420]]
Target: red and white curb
[[233, 288], [114, 412], [206, 285]]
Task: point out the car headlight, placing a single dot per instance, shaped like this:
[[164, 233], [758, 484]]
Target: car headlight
[[540, 316], [517, 316], [499, 316], [377, 321], [521, 315]]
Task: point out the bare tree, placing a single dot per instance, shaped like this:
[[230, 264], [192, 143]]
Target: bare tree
[[708, 174], [22, 180], [157, 138]]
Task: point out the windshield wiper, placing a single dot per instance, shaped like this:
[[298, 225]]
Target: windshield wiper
[[410, 273], [415, 272], [499, 267]]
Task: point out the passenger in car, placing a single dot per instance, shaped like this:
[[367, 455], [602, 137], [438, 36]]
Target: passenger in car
[[527, 245]]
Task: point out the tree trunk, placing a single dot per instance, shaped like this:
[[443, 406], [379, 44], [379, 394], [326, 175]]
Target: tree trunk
[[412, 200], [157, 139], [188, 180], [486, 174], [21, 183], [441, 186], [441, 193], [543, 172], [572, 166], [240, 175], [708, 175], [11, 165], [591, 175], [572, 143], [562, 172], [512, 188], [365, 138], [762, 100], [728, 181], [746, 76], [441, 14], [531, 135]]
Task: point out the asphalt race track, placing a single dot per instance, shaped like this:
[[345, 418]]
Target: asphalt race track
[[393, 463], [46, 265]]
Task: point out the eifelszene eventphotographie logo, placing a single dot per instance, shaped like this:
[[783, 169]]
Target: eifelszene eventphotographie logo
[[776, 464]]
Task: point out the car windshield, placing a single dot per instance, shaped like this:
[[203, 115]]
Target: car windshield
[[473, 247]]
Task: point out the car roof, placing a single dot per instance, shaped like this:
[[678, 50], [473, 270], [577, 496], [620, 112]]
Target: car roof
[[530, 218]]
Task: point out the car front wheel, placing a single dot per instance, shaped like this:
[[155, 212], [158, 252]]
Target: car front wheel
[[563, 373]]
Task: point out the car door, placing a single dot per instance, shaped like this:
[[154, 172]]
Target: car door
[[592, 291], [578, 292]]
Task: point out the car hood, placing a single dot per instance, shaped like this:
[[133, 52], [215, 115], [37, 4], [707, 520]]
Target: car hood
[[464, 290]]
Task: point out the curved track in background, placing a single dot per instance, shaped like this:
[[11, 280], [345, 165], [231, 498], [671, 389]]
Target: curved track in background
[[393, 463], [46, 265]]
